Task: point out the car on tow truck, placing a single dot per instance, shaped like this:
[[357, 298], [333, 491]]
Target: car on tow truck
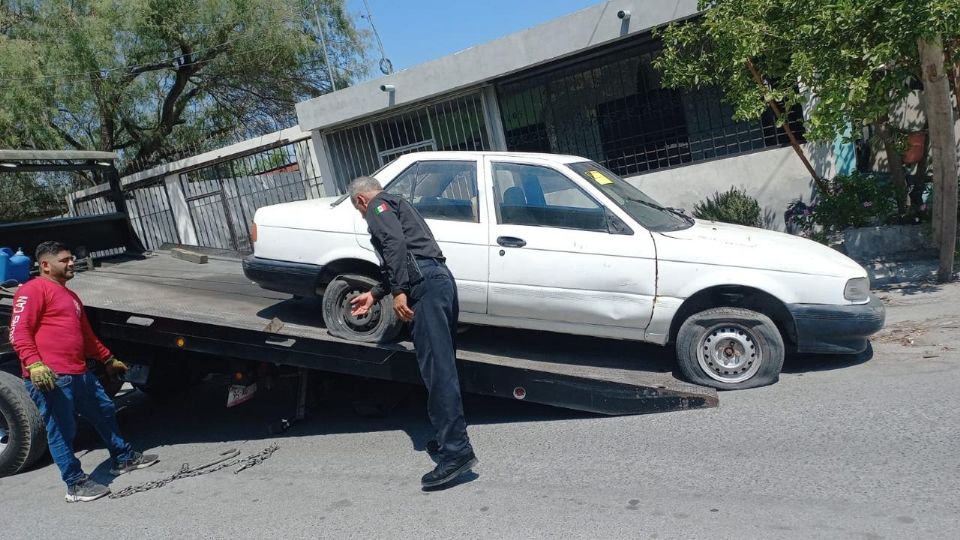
[[559, 243]]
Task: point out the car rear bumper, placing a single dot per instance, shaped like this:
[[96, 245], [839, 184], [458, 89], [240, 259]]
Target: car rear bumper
[[295, 278], [836, 329]]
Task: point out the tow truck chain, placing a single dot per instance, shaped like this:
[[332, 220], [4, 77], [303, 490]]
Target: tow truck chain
[[227, 460]]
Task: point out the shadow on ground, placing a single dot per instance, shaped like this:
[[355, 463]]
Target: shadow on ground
[[801, 363], [344, 404]]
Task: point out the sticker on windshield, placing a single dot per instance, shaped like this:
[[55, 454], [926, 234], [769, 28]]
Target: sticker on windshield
[[599, 178]]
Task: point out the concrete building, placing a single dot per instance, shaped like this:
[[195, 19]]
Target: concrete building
[[582, 84]]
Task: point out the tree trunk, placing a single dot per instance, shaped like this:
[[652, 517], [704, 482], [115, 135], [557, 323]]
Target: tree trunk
[[894, 162], [953, 72], [821, 185], [943, 149]]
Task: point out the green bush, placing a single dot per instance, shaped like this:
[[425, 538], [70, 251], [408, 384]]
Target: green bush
[[855, 200], [734, 206]]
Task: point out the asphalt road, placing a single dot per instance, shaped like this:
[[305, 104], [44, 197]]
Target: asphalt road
[[839, 448]]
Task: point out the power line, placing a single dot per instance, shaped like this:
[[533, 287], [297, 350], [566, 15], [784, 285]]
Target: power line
[[386, 66]]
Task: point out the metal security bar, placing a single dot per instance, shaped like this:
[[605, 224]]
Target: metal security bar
[[612, 108], [453, 124], [94, 204], [224, 197], [148, 207]]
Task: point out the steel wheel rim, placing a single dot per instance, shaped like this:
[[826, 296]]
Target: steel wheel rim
[[364, 324], [4, 433], [729, 353]]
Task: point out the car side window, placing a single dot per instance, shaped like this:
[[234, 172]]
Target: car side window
[[541, 196], [444, 190]]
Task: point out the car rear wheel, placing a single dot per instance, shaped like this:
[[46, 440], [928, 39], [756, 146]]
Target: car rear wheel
[[23, 437], [730, 349], [379, 325]]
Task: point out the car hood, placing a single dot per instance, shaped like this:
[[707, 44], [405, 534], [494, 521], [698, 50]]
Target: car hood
[[712, 242], [313, 214]]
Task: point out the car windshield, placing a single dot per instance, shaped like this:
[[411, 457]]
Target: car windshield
[[647, 212]]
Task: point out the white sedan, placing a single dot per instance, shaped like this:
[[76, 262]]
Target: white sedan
[[561, 244]]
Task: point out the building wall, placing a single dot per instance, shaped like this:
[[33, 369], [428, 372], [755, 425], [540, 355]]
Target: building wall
[[775, 177], [550, 41], [910, 117]]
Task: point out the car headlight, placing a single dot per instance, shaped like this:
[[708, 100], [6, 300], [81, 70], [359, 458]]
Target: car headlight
[[857, 289]]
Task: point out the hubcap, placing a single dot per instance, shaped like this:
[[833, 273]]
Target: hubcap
[[729, 353], [362, 324]]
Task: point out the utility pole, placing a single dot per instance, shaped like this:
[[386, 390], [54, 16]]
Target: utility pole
[[323, 43]]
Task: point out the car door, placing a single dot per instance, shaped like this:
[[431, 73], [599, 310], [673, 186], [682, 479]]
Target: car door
[[446, 195], [553, 257]]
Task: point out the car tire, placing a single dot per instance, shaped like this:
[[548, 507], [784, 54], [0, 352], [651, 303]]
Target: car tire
[[730, 349], [23, 436], [381, 325]]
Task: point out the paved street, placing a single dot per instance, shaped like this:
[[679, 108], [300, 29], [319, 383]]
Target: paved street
[[839, 448]]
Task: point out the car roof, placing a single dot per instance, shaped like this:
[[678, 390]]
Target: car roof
[[556, 158]]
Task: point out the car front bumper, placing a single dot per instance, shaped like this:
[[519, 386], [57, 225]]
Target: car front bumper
[[282, 276], [836, 329]]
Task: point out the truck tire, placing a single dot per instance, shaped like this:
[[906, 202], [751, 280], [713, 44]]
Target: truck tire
[[730, 349], [23, 437], [380, 325]]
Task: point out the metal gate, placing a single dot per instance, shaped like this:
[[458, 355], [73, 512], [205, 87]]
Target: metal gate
[[148, 207], [215, 219], [223, 197], [453, 124]]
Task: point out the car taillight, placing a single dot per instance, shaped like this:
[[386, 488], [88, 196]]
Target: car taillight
[[253, 233]]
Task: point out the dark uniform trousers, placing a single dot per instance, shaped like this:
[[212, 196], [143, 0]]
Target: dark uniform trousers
[[436, 312]]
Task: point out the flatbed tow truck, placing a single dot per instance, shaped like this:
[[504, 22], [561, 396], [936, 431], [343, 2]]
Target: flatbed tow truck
[[176, 321]]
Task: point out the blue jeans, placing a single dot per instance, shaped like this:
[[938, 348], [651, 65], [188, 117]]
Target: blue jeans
[[83, 395], [436, 313]]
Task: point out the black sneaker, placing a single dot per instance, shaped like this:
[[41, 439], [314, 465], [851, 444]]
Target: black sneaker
[[86, 490], [433, 447], [446, 472], [138, 461]]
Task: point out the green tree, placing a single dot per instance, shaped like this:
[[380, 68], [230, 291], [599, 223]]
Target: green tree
[[850, 62], [145, 77]]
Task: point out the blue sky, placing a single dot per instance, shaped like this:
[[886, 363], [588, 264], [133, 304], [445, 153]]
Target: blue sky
[[417, 31]]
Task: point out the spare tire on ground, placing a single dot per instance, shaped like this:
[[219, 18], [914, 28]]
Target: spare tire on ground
[[23, 437]]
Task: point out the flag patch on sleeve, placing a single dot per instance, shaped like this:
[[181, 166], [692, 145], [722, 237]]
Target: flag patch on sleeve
[[381, 208]]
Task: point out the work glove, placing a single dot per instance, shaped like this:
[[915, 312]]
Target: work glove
[[114, 367], [42, 376]]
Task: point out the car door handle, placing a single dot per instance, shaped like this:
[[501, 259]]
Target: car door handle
[[510, 241]]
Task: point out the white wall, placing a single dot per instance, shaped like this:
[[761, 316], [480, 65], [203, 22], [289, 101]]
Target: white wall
[[774, 177]]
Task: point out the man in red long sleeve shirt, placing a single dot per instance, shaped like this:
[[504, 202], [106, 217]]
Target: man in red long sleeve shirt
[[53, 338]]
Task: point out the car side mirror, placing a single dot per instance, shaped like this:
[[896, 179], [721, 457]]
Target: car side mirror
[[615, 225]]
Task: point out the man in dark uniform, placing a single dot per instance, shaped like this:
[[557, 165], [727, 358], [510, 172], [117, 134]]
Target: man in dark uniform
[[424, 292]]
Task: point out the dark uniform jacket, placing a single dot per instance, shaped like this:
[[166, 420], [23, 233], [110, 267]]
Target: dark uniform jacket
[[400, 236]]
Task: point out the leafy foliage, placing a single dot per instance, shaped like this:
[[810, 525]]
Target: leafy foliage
[[855, 56], [733, 206], [144, 77], [855, 200], [28, 196]]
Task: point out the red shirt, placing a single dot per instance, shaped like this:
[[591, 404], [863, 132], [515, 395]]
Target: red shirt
[[49, 325]]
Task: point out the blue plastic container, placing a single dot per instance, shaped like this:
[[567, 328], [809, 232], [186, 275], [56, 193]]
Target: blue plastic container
[[5, 254], [19, 267]]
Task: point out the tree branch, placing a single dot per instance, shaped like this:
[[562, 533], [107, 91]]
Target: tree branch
[[821, 185], [66, 136]]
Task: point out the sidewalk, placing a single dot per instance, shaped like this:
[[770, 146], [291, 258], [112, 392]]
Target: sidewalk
[[922, 318]]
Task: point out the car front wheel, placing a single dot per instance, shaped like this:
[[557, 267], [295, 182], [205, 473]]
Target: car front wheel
[[379, 325], [730, 349]]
